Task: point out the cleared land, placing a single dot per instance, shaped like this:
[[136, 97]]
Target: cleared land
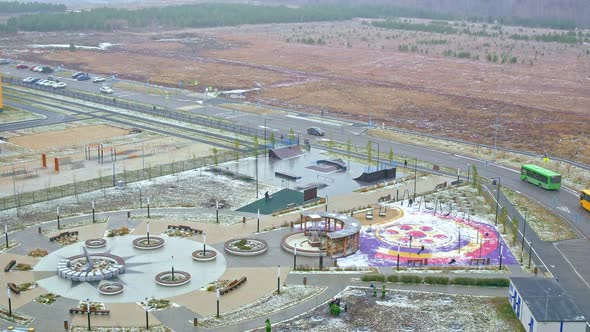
[[79, 135], [453, 84]]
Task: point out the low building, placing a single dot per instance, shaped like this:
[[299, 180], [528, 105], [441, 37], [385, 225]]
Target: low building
[[541, 305]]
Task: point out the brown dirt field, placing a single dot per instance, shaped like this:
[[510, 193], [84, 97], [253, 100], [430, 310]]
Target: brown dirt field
[[540, 100], [68, 137]]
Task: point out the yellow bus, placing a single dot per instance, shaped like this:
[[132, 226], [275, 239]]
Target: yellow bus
[[585, 199]]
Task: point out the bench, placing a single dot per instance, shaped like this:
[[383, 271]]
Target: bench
[[479, 261], [369, 215], [384, 198], [185, 228], [417, 262], [382, 212], [63, 234], [13, 288], [232, 285], [94, 312], [10, 265]]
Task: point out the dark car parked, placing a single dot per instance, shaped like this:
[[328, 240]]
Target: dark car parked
[[315, 131]]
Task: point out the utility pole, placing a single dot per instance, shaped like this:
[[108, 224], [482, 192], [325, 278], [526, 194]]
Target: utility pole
[[415, 175]]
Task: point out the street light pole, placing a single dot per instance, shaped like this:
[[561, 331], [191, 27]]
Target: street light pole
[[148, 205], [88, 309], [530, 252], [497, 196], [295, 256], [140, 203], [415, 175], [523, 236], [496, 132], [217, 295], [172, 268], [501, 248], [204, 244], [9, 301], [57, 211], [93, 218], [147, 322], [6, 234], [279, 280]]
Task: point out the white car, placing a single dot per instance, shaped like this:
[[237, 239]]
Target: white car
[[106, 89], [42, 82], [28, 79], [59, 85], [98, 79], [49, 83]]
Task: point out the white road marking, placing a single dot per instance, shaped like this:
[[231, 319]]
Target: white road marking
[[506, 168], [323, 121], [464, 157], [564, 209], [572, 266]]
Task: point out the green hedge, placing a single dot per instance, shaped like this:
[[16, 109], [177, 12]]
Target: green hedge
[[373, 277], [392, 278], [436, 280], [483, 282], [409, 279]]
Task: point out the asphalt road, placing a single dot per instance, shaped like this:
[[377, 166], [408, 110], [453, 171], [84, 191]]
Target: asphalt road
[[567, 261]]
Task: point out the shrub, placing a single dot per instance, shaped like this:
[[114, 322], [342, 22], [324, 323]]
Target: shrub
[[436, 280], [409, 279], [464, 281], [393, 278], [373, 277], [493, 282]]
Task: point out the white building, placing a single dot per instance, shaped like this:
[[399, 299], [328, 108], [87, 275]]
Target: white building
[[542, 306]]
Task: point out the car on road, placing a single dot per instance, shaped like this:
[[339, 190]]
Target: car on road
[[28, 79], [106, 89], [315, 131], [59, 85], [75, 75], [33, 68], [4, 61], [83, 77], [22, 66], [98, 79]]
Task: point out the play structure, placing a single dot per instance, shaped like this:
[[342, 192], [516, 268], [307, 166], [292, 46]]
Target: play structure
[[286, 152], [324, 234], [373, 176]]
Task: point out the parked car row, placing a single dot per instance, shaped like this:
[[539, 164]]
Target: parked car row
[[48, 83], [80, 76], [39, 69]]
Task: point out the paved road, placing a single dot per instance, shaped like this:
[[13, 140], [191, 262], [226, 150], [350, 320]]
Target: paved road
[[49, 118]]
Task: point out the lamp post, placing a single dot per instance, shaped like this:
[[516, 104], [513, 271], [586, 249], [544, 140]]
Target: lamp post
[[172, 261], [279, 280], [497, 184], [258, 221], [397, 257], [9, 301], [530, 252], [148, 205], [295, 256], [265, 142], [204, 243], [496, 132], [217, 210], [326, 203], [57, 211], [88, 309], [148, 232], [140, 202], [256, 163], [217, 295], [147, 322], [415, 175], [523, 236], [501, 248], [6, 234], [93, 218]]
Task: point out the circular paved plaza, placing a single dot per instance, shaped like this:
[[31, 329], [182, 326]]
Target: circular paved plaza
[[141, 266]]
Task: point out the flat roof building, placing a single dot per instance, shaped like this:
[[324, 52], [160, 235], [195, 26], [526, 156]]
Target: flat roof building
[[541, 305]]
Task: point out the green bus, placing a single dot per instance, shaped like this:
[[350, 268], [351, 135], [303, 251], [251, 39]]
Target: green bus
[[540, 176]]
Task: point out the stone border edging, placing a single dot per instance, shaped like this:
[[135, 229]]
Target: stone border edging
[[300, 252], [95, 243], [111, 288], [238, 252], [160, 281], [210, 255], [158, 243]]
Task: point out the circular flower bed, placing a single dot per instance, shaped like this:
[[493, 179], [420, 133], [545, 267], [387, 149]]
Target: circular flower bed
[[180, 278], [155, 242], [246, 247], [111, 288], [204, 256], [95, 243]]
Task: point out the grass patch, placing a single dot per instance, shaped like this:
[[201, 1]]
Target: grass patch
[[373, 277], [547, 225], [153, 90], [11, 114], [37, 253], [48, 298], [505, 312]]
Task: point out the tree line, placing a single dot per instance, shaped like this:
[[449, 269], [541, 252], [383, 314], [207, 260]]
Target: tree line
[[208, 15], [27, 7]]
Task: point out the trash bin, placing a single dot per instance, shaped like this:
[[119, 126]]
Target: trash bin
[[39, 229], [196, 322], [128, 214], [66, 325], [304, 281]]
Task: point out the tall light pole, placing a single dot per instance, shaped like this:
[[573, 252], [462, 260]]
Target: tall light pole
[[217, 295], [88, 309], [57, 211], [279, 280], [140, 202], [265, 144], [501, 248], [148, 232], [148, 205], [523, 235], [147, 322], [530, 252], [9, 301], [93, 217], [497, 184], [204, 244], [415, 175], [6, 234], [295, 256], [172, 261]]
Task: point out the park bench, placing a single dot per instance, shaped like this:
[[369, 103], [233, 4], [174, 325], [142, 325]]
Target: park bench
[[185, 228], [417, 262], [10, 265], [479, 261], [63, 234], [384, 198], [13, 288], [232, 285], [369, 215], [382, 211], [94, 312]]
